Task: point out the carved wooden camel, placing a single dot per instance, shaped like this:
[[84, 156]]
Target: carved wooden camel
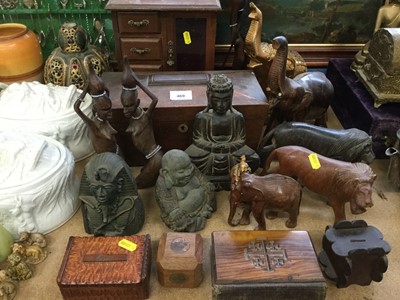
[[262, 53]]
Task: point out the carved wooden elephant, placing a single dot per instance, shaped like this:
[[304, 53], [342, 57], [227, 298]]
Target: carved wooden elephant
[[303, 98], [256, 193]]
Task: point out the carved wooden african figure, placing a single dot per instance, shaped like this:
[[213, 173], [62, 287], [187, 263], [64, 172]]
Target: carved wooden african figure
[[305, 97], [337, 180], [101, 133], [141, 126], [256, 193]]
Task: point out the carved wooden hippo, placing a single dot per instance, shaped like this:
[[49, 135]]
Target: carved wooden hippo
[[352, 145]]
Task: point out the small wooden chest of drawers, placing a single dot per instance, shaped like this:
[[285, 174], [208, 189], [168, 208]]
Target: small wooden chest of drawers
[[174, 35]]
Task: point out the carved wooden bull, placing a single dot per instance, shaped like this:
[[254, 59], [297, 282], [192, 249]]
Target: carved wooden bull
[[352, 145], [256, 193], [337, 180]]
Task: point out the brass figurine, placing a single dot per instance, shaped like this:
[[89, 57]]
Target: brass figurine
[[388, 17], [261, 54], [380, 71]]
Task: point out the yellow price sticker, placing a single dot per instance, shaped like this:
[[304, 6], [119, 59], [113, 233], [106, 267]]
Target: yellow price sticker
[[128, 245], [314, 161], [186, 37]]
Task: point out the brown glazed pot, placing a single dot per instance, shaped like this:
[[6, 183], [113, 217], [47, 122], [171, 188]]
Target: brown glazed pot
[[21, 54]]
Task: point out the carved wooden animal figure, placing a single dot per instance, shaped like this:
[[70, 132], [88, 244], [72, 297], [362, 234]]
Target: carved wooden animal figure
[[262, 53], [337, 180], [352, 145], [305, 97], [257, 193]]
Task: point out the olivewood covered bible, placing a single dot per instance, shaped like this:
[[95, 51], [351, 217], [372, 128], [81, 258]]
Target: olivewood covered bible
[[275, 264]]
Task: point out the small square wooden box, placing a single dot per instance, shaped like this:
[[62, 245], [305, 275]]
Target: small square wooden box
[[97, 268], [180, 260], [276, 264]]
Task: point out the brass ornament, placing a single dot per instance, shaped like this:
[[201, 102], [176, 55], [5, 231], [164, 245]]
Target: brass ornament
[[69, 63]]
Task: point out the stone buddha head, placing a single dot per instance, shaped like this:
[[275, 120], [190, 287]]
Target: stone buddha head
[[219, 93]]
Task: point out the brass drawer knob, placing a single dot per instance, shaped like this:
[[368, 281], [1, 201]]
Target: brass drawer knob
[[140, 51], [183, 128], [144, 22]]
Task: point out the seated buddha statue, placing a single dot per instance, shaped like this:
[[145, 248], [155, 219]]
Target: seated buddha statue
[[185, 197], [219, 135]]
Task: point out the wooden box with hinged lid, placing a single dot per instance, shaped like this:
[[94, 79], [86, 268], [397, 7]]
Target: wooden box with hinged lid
[[99, 268], [275, 264], [180, 260]]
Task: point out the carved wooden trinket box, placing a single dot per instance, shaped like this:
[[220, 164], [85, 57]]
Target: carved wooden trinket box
[[275, 264], [180, 260], [99, 268]]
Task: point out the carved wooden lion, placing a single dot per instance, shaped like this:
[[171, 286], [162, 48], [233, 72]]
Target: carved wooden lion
[[337, 180]]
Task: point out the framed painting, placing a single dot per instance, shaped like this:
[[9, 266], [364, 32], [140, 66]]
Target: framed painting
[[318, 29]]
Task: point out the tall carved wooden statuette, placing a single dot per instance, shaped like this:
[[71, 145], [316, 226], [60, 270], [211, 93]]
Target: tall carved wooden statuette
[[141, 126], [101, 133], [111, 203]]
